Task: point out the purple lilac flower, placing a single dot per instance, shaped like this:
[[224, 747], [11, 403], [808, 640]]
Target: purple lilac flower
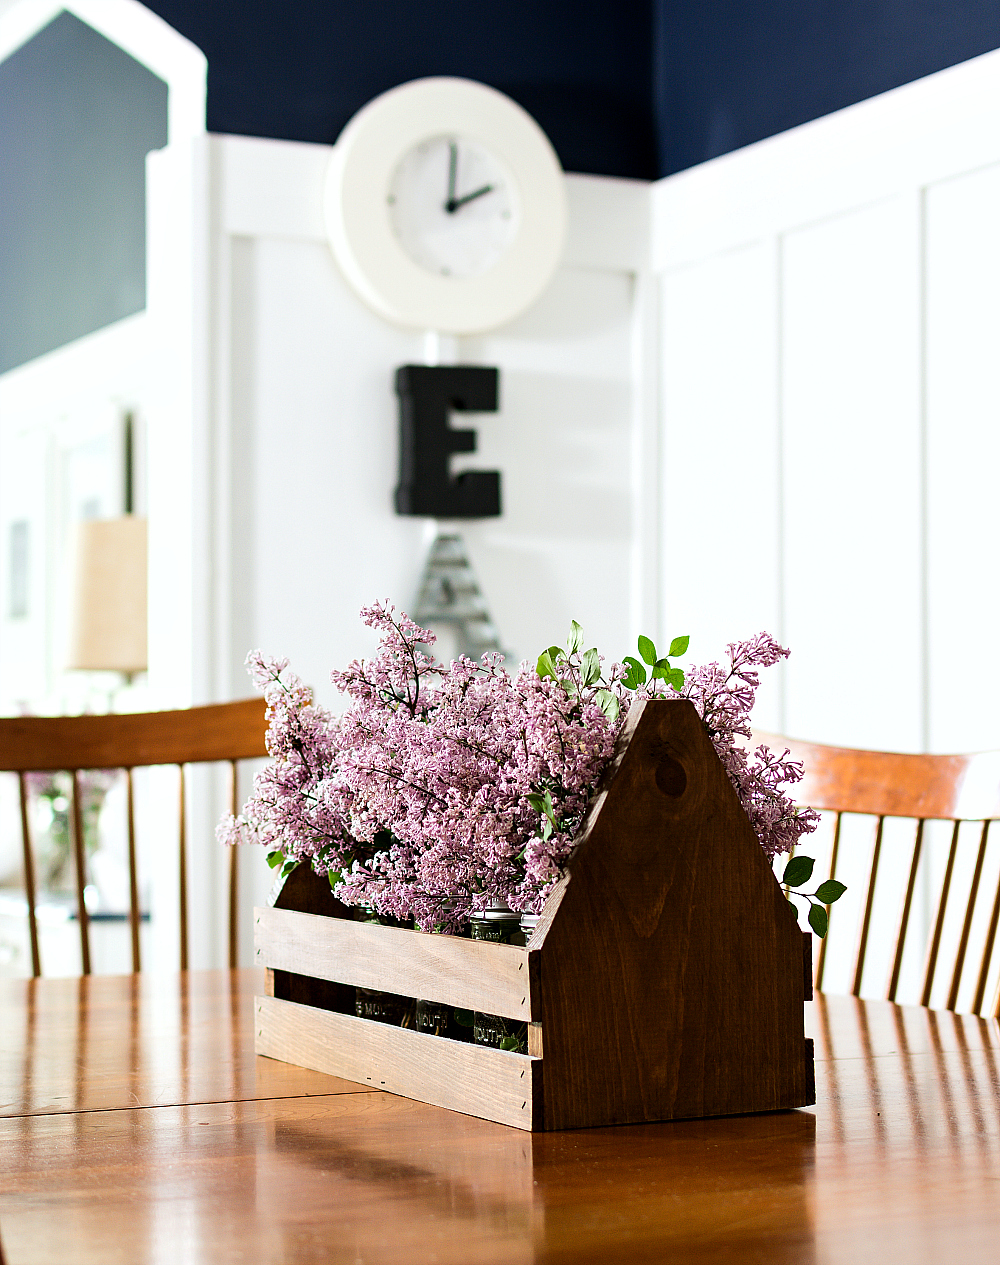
[[416, 800]]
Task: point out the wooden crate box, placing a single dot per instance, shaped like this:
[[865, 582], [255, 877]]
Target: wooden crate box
[[665, 978]]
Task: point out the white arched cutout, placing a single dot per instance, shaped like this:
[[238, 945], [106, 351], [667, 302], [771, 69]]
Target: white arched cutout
[[138, 32]]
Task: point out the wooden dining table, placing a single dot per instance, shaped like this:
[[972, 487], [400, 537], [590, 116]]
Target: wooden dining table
[[137, 1125]]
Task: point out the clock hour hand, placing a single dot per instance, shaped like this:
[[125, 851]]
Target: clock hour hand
[[454, 203]]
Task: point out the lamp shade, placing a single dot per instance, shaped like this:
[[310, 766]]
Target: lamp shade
[[108, 631]]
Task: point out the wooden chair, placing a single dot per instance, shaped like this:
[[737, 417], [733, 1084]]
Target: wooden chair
[[953, 788], [221, 732]]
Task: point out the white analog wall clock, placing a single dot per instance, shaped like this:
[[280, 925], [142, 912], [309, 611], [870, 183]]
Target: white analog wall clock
[[445, 206]]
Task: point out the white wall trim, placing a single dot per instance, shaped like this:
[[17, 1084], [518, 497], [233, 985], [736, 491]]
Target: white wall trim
[[921, 133]]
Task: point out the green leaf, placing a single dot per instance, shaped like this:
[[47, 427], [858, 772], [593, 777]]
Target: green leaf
[[830, 891], [465, 1018], [647, 650], [509, 1043], [287, 868], [536, 802], [798, 871], [590, 670], [575, 640], [636, 672], [274, 859], [675, 678], [678, 647], [545, 667], [608, 703], [556, 653], [335, 877], [818, 920]]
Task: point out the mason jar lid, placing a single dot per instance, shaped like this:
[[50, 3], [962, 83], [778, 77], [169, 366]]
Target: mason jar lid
[[497, 912]]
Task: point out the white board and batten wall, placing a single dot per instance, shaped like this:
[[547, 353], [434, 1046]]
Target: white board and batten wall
[[307, 417], [830, 435], [830, 404]]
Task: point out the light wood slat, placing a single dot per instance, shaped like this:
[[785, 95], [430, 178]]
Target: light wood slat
[[821, 964], [182, 867], [80, 866], [984, 966], [859, 968], [221, 731], [471, 974], [133, 878], [474, 1079], [935, 945], [29, 875], [963, 943]]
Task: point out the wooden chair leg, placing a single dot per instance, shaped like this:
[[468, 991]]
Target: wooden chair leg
[[233, 872], [79, 858], [133, 880], [821, 963], [859, 969], [984, 966], [963, 943], [29, 877], [904, 921], [932, 955], [182, 858]]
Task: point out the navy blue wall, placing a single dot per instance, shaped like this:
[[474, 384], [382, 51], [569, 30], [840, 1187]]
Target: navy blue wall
[[729, 72], [298, 69], [623, 87]]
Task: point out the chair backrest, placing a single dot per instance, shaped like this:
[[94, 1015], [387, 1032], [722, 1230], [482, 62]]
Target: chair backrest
[[883, 784], [226, 732]]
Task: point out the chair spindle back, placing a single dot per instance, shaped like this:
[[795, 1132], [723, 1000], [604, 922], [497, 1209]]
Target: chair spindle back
[[221, 732], [882, 784]]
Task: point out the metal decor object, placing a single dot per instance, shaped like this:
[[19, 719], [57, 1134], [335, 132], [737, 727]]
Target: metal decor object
[[449, 594]]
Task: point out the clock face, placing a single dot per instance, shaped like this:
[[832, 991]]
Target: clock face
[[445, 206], [453, 206]]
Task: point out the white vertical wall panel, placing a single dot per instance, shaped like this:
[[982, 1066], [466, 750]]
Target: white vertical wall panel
[[852, 476], [963, 448], [307, 432], [719, 456], [562, 437], [319, 435]]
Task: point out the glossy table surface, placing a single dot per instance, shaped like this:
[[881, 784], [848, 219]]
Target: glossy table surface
[[137, 1125]]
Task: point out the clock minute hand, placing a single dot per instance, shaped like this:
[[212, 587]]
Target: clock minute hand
[[455, 203], [451, 204]]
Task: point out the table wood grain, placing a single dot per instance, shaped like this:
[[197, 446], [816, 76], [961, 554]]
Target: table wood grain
[[138, 1126]]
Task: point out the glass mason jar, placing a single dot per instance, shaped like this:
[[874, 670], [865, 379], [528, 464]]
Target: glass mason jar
[[528, 923], [500, 924], [370, 1003], [439, 1020]]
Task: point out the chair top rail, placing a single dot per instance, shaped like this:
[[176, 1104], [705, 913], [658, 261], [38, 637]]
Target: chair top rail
[[895, 784], [219, 731]]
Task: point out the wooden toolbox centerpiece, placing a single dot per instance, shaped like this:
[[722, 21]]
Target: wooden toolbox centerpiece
[[665, 978]]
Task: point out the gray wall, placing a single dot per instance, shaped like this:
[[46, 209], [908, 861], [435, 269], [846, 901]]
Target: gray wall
[[77, 117]]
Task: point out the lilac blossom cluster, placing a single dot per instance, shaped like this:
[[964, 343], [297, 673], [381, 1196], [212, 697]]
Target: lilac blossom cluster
[[724, 697], [444, 789], [416, 800]]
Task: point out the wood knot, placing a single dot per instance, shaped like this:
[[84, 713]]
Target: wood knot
[[670, 777]]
